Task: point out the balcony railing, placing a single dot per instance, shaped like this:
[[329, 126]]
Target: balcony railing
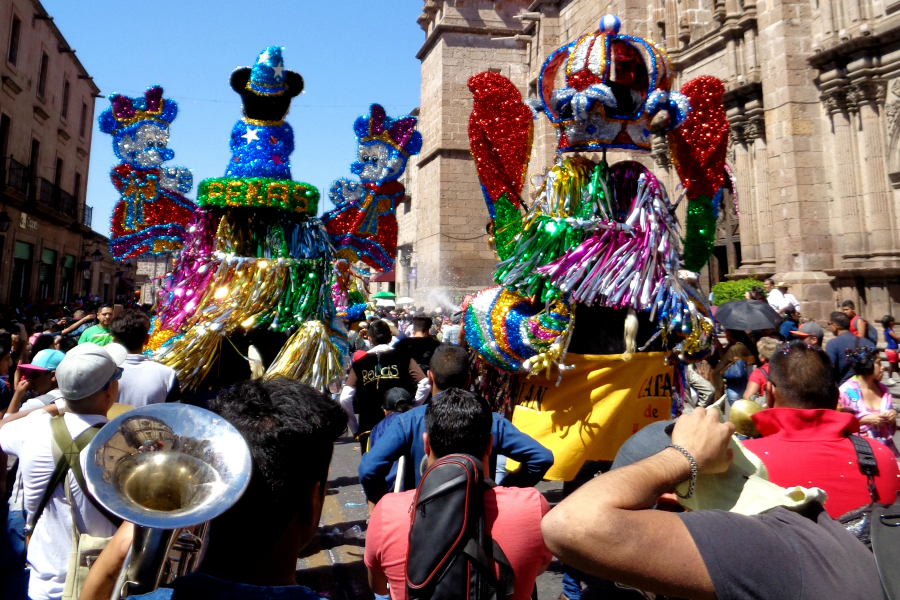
[[40, 191], [55, 198], [88, 215], [15, 175]]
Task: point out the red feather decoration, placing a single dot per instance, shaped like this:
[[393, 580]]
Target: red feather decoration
[[501, 130], [699, 145]]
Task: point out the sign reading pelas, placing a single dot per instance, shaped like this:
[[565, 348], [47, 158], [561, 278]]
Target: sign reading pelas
[[283, 194]]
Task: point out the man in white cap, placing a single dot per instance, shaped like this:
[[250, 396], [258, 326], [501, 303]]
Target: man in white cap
[[88, 382], [788, 298]]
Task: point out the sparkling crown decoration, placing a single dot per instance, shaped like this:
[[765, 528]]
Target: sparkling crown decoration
[[614, 85], [399, 133], [125, 111]]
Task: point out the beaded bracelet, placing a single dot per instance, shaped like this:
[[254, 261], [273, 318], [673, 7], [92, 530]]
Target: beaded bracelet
[[694, 471]]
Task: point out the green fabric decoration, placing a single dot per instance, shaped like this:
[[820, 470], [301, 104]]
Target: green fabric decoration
[[700, 233], [507, 225]]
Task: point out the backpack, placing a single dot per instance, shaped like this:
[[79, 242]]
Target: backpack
[[876, 525], [871, 334], [451, 556]]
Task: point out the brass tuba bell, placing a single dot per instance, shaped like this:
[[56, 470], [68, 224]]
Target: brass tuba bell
[[741, 414], [166, 468]]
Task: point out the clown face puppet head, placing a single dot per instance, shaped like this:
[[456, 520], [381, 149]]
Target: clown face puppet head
[[144, 146], [378, 162], [385, 145]]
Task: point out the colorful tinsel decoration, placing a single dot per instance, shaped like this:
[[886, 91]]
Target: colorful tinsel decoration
[[698, 151], [614, 85], [594, 234], [256, 256], [501, 131], [514, 335], [152, 214], [363, 224]]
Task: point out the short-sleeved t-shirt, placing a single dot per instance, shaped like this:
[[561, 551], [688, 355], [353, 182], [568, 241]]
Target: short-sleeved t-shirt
[[512, 517], [782, 554], [760, 376], [837, 352], [29, 439], [96, 335]]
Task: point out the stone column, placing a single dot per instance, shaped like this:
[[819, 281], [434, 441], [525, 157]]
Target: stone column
[[868, 97], [755, 136], [853, 239], [797, 196], [749, 218]]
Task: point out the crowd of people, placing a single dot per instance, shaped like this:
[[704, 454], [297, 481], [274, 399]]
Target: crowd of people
[[408, 401]]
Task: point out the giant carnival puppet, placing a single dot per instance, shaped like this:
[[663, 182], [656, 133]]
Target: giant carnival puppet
[[250, 294], [363, 224], [592, 319], [152, 214]]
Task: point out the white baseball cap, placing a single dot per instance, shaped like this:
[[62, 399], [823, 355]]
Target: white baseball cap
[[87, 368]]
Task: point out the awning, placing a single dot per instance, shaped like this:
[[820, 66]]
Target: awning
[[382, 277]]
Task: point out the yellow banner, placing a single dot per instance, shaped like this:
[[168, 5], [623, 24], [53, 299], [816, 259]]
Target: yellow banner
[[599, 404]]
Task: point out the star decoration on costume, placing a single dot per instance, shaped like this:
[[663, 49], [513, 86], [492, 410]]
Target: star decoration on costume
[[264, 57], [273, 140], [251, 135], [276, 159], [278, 70]]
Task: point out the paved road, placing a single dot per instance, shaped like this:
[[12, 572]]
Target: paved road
[[333, 563]]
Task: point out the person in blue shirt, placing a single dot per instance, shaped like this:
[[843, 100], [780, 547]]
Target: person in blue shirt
[[837, 347], [396, 401], [789, 323], [252, 548], [403, 436]]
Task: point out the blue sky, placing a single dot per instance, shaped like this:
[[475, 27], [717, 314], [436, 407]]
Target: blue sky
[[350, 54]]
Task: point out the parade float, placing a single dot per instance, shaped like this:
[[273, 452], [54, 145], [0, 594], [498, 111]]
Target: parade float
[[362, 227], [592, 319], [250, 292], [152, 214]]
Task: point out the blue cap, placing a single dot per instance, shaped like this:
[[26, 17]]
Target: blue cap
[[267, 76], [45, 360]]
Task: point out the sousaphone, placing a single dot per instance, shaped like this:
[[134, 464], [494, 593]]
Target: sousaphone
[[169, 469]]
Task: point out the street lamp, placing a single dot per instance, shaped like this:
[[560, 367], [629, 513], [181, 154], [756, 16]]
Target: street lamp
[[96, 255]]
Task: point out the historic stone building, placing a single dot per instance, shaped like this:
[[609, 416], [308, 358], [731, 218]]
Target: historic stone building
[[813, 97], [46, 118]]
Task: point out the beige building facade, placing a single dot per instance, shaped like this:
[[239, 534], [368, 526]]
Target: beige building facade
[[46, 118], [813, 98]]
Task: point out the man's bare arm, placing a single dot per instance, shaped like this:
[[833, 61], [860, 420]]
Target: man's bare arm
[[607, 527], [50, 408]]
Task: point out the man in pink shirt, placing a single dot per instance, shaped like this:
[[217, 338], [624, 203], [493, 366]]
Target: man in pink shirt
[[460, 422]]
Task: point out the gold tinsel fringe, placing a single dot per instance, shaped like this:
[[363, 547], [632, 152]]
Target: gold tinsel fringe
[[309, 356], [242, 291]]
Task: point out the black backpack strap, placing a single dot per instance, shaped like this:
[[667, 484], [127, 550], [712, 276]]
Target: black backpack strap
[[507, 577], [505, 585], [868, 466]]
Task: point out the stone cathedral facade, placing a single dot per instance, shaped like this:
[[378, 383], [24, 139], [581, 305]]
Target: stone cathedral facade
[[813, 98]]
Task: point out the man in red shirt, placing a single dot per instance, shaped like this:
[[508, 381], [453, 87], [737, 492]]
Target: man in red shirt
[[460, 422], [806, 441]]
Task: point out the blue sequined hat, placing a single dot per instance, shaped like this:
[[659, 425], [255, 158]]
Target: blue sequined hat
[[267, 76]]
